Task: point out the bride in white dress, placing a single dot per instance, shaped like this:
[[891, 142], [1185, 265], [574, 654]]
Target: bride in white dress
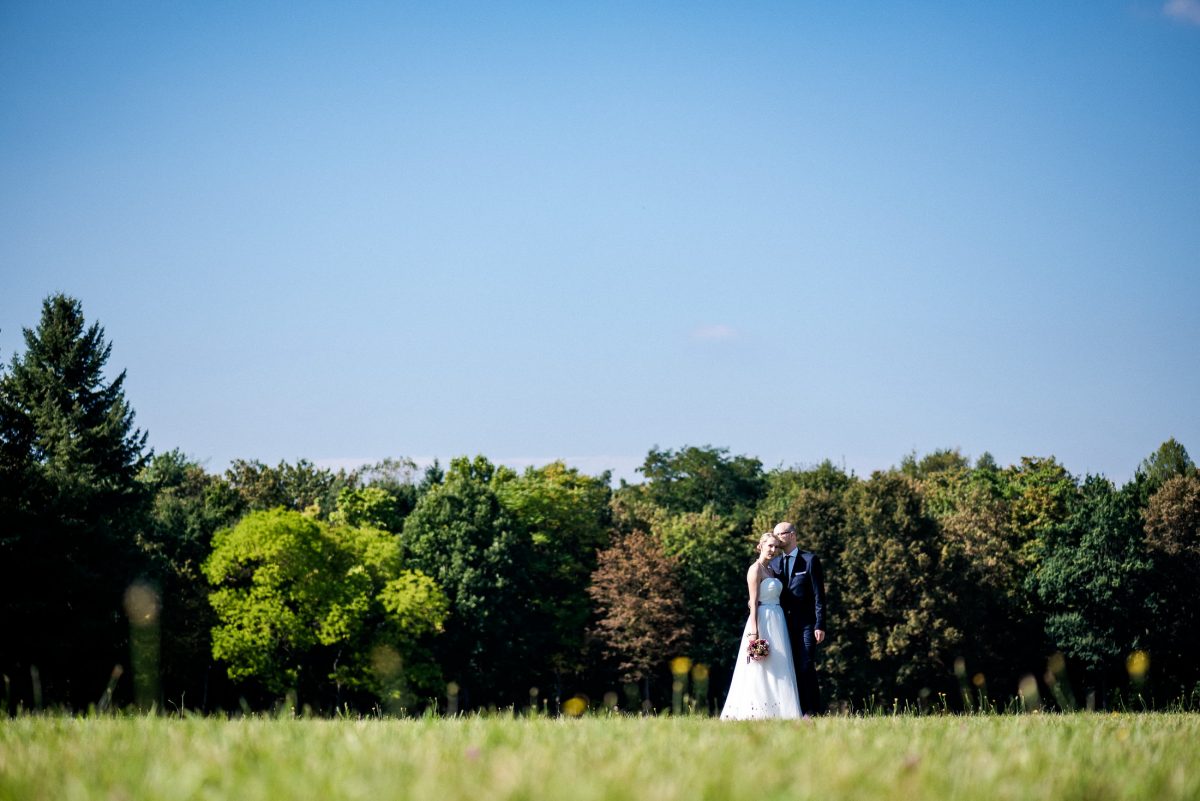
[[766, 688]]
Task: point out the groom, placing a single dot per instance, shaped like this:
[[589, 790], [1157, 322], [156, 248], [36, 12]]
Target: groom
[[803, 602]]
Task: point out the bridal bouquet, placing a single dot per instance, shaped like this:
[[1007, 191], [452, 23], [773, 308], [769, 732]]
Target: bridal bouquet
[[757, 650]]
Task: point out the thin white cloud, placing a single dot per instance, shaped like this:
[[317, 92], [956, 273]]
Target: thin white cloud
[[714, 333], [1183, 10]]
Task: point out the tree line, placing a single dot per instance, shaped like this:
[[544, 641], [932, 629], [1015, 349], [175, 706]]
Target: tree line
[[134, 577]]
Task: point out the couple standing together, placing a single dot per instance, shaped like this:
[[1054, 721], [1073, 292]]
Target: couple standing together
[[787, 609]]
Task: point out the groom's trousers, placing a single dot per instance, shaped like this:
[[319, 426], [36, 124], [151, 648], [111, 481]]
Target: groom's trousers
[[804, 650]]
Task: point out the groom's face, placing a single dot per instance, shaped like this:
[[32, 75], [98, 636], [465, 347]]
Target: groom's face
[[788, 540]]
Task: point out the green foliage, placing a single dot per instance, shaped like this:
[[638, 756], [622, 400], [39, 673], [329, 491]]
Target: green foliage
[[367, 506], [69, 457], [62, 421], [697, 503], [1172, 520], [567, 516], [336, 584], [396, 477], [1092, 579], [1040, 494], [900, 594], [815, 502], [300, 487], [1170, 460], [945, 459], [973, 509], [1172, 537], [712, 552], [188, 506], [480, 554], [692, 478], [415, 602], [1043, 494], [809, 498], [986, 462], [295, 596]]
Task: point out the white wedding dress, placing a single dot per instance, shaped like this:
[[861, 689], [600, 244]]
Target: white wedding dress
[[765, 689]]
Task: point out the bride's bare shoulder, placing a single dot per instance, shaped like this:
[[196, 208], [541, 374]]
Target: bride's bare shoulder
[[757, 572]]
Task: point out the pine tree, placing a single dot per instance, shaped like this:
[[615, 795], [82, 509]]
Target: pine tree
[[69, 501]]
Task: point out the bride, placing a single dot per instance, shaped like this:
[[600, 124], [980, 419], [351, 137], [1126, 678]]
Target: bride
[[766, 688]]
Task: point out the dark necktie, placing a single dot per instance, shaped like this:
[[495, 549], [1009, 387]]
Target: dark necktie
[[787, 574]]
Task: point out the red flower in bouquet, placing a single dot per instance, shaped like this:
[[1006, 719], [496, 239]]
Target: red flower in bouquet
[[757, 650]]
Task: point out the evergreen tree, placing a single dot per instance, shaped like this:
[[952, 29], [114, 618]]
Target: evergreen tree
[[1170, 460], [69, 459]]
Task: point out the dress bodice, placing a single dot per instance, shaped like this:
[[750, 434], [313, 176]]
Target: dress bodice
[[769, 590]]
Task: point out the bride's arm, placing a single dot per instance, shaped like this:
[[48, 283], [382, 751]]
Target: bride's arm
[[752, 585]]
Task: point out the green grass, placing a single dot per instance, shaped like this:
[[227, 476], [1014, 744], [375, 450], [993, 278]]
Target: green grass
[[1126, 756]]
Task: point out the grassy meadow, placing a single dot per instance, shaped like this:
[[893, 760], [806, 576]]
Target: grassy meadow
[[1060, 757]]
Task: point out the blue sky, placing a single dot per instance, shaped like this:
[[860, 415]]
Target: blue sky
[[536, 231]]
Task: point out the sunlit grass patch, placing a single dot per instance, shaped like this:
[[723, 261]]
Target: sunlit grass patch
[[974, 757]]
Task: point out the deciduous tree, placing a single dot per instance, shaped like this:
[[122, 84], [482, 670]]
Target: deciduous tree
[[640, 616], [1003, 634], [900, 595], [367, 506], [712, 553], [187, 507], [301, 486], [1092, 581], [567, 516], [1172, 531], [692, 478], [306, 606], [480, 554]]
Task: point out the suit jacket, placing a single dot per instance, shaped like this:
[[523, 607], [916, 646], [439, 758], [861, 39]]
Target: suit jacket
[[803, 598]]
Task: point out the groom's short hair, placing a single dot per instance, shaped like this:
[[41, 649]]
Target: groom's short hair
[[784, 528]]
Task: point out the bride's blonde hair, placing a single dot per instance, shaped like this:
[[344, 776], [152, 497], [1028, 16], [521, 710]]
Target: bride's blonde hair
[[766, 535]]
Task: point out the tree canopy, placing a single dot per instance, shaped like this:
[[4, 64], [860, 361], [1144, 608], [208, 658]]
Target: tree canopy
[[478, 552], [392, 587], [301, 603]]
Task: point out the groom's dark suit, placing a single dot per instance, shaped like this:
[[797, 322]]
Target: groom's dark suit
[[803, 602]]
